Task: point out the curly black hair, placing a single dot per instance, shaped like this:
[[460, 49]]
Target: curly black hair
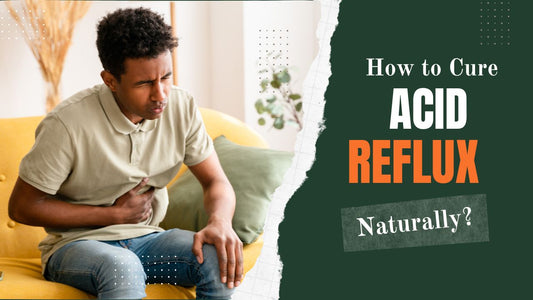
[[132, 33]]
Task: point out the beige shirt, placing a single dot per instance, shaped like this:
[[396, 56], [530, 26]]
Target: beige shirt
[[87, 152]]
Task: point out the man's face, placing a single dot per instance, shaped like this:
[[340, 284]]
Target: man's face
[[143, 89]]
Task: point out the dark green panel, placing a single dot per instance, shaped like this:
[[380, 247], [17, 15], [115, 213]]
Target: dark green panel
[[358, 107]]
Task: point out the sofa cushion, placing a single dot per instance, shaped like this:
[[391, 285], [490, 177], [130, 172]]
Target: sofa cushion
[[254, 173], [16, 139], [23, 280]]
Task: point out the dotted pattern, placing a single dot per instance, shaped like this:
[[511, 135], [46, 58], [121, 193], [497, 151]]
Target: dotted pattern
[[160, 269], [11, 30], [495, 23], [274, 42], [273, 50], [123, 274]]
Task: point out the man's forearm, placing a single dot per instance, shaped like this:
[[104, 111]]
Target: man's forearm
[[50, 212], [30, 206], [219, 201]]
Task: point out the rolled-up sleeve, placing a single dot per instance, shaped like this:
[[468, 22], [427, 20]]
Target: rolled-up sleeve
[[198, 144], [50, 160]]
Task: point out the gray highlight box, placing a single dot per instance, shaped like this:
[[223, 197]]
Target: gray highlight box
[[429, 222]]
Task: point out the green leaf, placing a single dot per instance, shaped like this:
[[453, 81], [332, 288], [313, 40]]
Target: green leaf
[[283, 76], [272, 99], [264, 84], [298, 106], [270, 107], [275, 84], [295, 96], [279, 123], [277, 110], [259, 107], [261, 121]]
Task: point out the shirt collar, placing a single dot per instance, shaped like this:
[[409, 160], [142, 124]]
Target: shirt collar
[[117, 119]]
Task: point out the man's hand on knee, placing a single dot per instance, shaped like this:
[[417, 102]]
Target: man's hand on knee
[[229, 250]]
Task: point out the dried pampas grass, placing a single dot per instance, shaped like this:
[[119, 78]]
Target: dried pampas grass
[[47, 27]]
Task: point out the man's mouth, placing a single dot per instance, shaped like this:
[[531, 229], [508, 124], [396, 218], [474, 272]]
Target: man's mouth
[[158, 109]]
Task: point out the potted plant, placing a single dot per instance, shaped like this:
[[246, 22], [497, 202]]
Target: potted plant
[[281, 103]]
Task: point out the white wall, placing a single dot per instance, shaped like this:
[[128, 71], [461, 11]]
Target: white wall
[[20, 79], [219, 53], [211, 54], [218, 56], [227, 57], [194, 49]]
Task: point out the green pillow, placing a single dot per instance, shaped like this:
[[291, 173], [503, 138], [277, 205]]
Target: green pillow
[[254, 173]]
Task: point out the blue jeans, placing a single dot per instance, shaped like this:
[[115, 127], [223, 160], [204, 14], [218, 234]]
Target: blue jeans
[[121, 269]]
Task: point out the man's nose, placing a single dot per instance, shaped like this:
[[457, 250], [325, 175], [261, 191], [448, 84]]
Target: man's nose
[[159, 92]]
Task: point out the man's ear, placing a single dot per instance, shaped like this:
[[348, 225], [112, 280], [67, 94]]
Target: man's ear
[[109, 80]]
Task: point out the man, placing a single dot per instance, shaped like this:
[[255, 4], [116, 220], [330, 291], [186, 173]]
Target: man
[[96, 176]]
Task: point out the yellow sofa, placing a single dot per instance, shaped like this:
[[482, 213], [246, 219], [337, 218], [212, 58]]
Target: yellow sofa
[[19, 257]]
